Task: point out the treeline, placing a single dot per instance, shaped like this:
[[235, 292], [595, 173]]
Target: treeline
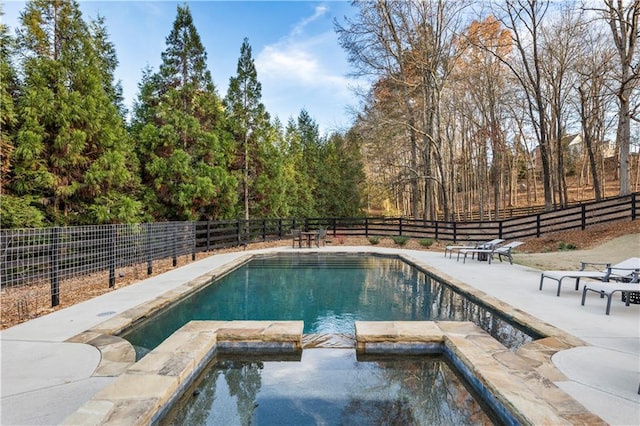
[[69, 157], [473, 101]]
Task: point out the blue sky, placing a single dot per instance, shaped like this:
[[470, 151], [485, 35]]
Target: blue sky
[[296, 51]]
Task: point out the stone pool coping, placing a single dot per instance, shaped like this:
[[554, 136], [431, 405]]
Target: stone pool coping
[[147, 388], [117, 355]]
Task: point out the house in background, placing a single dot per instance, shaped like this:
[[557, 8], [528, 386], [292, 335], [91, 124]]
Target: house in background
[[574, 148]]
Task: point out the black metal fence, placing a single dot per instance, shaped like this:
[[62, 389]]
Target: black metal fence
[[33, 256], [37, 256]]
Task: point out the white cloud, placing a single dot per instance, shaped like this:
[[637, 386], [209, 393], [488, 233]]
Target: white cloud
[[319, 12], [304, 70]]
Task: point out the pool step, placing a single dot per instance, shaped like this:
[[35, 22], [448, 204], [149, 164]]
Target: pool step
[[328, 340]]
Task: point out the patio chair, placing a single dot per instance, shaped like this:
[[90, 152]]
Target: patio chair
[[630, 291], [296, 236], [505, 250], [321, 237], [486, 244], [619, 272]]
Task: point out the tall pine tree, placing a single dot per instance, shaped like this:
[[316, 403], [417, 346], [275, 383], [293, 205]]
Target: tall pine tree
[[72, 149], [179, 128], [299, 185], [249, 123], [270, 184]]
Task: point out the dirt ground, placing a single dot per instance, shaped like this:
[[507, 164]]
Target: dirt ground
[[606, 243]]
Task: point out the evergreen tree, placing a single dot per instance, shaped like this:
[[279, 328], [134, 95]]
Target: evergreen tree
[[269, 186], [14, 211], [342, 177], [249, 123], [8, 91], [298, 184], [311, 143], [107, 62], [72, 150], [179, 126], [326, 175]]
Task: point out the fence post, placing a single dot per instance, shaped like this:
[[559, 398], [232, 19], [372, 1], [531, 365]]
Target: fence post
[[455, 233], [500, 229], [633, 206], [333, 225], [55, 264], [264, 230], [436, 233], [538, 225], [238, 232], [583, 217], [195, 241], [366, 227], [208, 235], [149, 249], [174, 249], [279, 229], [112, 256], [400, 227]]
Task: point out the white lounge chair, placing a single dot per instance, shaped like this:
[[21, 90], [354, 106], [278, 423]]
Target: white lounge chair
[[607, 290], [619, 272], [504, 250], [486, 245]]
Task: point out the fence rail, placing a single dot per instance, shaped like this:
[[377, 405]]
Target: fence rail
[[36, 256]]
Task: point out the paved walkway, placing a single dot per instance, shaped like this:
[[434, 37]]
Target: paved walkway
[[44, 380]]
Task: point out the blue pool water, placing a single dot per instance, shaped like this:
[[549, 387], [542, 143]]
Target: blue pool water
[[328, 292]]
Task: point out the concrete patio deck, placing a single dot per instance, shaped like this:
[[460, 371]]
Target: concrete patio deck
[[45, 379]]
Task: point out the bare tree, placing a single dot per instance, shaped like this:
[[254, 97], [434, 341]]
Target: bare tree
[[560, 48], [375, 47], [524, 19], [623, 17], [483, 77], [593, 69], [409, 47]]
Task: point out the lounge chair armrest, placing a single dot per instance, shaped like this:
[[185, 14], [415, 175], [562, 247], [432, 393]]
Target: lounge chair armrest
[[622, 273], [583, 265], [612, 268]]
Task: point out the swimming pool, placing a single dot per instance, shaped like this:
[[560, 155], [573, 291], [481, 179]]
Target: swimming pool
[[328, 292]]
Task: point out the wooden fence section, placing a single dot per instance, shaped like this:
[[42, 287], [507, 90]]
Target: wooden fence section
[[212, 235], [507, 212]]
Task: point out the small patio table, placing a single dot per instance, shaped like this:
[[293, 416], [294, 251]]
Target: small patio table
[[311, 235]]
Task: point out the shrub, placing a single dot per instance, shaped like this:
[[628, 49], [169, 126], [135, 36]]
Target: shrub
[[562, 246], [374, 240], [426, 242], [400, 239]]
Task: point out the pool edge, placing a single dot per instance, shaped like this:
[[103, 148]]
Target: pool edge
[[514, 388]]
